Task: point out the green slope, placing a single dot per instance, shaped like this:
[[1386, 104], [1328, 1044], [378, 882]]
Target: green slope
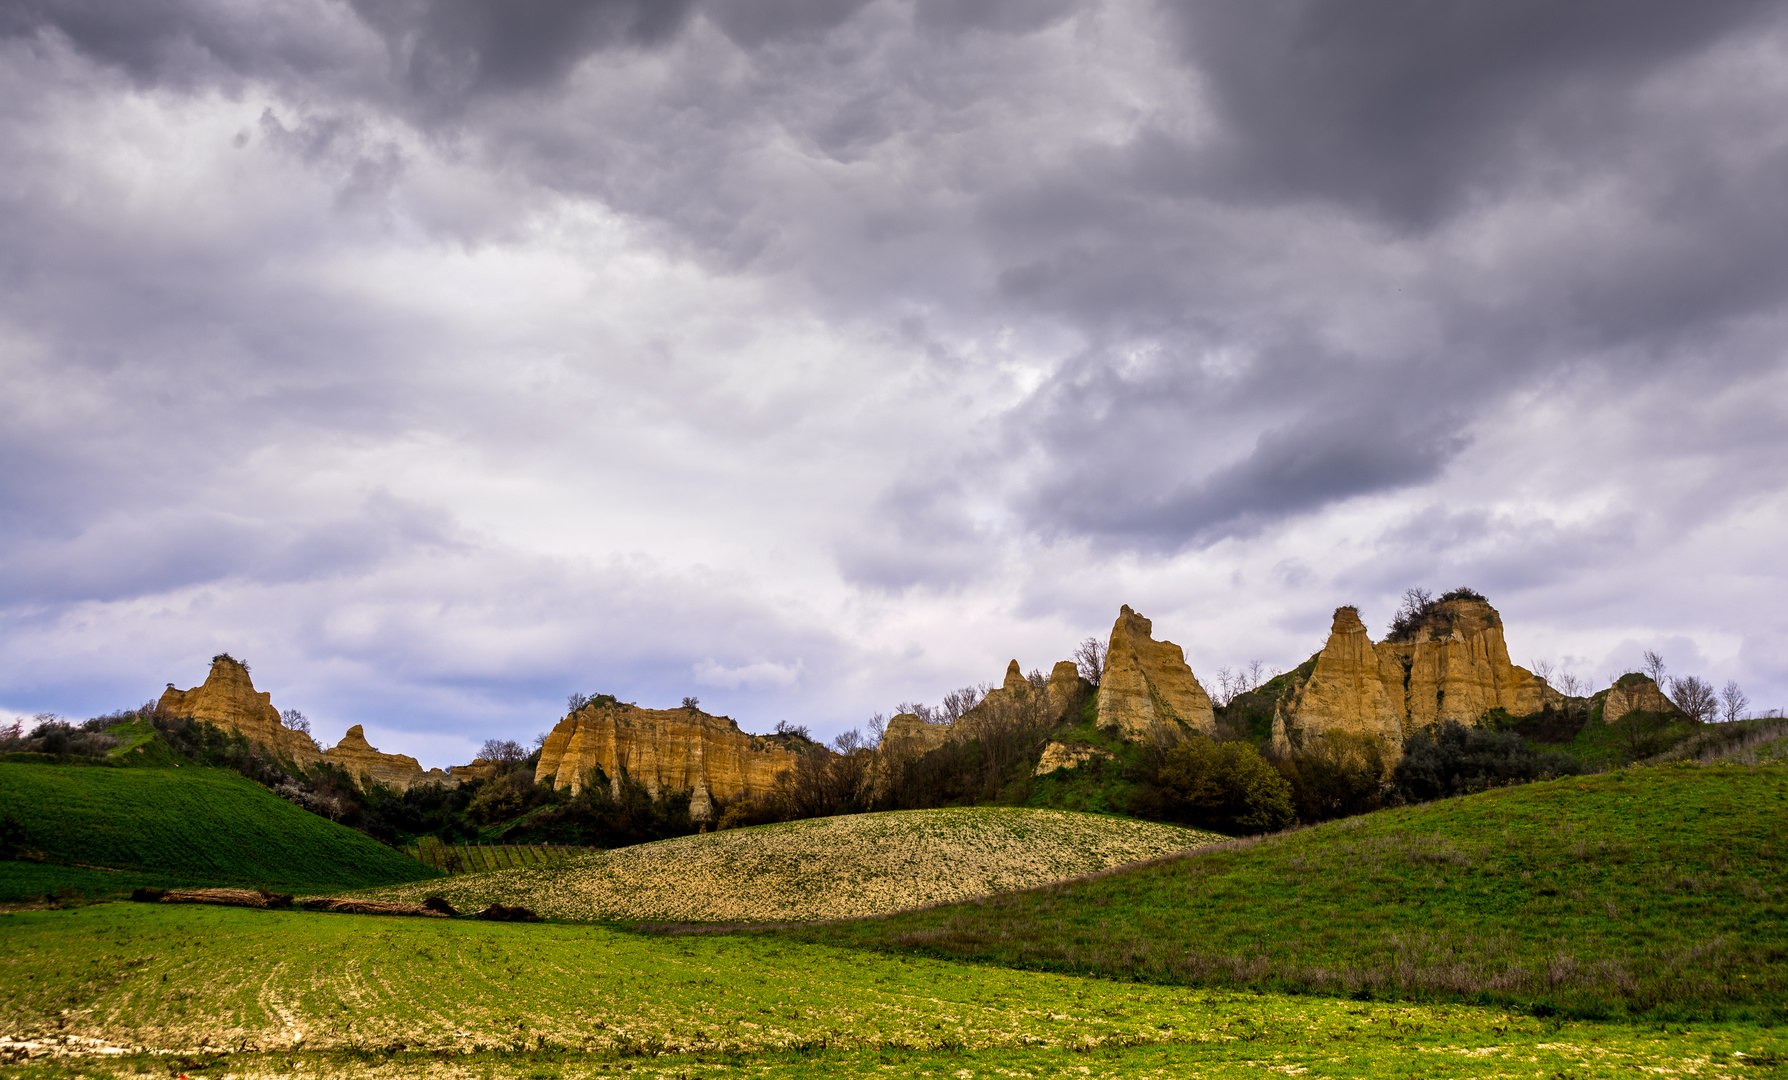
[[1647, 892], [185, 825]]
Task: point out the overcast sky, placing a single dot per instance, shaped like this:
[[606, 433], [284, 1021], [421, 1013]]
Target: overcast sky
[[443, 357]]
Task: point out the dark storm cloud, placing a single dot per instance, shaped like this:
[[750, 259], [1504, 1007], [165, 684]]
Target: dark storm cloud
[[1407, 106], [448, 49], [1293, 469]]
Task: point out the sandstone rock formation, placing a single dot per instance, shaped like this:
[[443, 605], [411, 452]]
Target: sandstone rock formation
[[907, 736], [354, 755], [1634, 693], [1451, 664], [479, 769], [228, 700], [1454, 665], [1346, 690], [1146, 689], [1053, 699], [666, 749], [1062, 756]]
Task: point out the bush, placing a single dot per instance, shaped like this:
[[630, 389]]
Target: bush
[[605, 815], [1337, 775], [1224, 786], [507, 798], [1453, 759]]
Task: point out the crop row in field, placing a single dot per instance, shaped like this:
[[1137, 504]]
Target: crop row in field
[[250, 993]]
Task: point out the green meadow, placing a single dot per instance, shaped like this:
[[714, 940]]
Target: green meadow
[[1655, 893], [230, 992], [96, 831]]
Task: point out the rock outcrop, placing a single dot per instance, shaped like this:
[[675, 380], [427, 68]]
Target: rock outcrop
[[1635, 693], [1346, 690], [1450, 664], [1454, 665], [666, 749], [228, 699], [479, 769], [1062, 756], [1052, 700], [355, 756], [1147, 690]]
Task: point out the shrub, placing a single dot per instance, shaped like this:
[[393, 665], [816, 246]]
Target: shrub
[[1337, 775], [1453, 759], [1225, 786]]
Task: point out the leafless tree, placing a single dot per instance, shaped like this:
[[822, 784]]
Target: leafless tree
[[957, 702], [1039, 681], [1570, 685], [1733, 701], [1089, 657], [503, 751], [692, 703], [1695, 697], [923, 712], [1654, 666], [575, 701], [878, 724], [1544, 669], [295, 720]]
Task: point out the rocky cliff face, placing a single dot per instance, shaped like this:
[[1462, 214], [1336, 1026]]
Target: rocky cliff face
[[1452, 664], [365, 764], [666, 749], [1634, 693], [1147, 690], [1455, 666], [1346, 690], [228, 700]]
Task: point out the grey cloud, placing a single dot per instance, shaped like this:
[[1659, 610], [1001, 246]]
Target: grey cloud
[[449, 49], [1296, 468], [753, 23], [1408, 106], [947, 17]]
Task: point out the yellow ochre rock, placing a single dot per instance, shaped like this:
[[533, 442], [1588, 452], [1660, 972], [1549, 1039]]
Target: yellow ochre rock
[[1634, 693], [1454, 665], [1147, 690], [229, 701], [1346, 690], [1062, 756], [368, 766], [666, 749]]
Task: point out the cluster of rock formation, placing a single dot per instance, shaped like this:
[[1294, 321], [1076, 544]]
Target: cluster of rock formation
[[366, 764], [229, 701], [666, 748], [1452, 665], [1146, 691]]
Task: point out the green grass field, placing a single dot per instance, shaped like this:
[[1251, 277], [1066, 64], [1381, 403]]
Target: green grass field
[[821, 868], [177, 826], [242, 993], [1647, 892]]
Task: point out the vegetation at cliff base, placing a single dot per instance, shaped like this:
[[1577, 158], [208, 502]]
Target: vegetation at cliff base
[[821, 868], [294, 994], [169, 826], [1649, 892]]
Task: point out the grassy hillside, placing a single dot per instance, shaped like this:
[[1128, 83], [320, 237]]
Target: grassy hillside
[[1650, 891], [177, 825], [299, 994], [822, 868]]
